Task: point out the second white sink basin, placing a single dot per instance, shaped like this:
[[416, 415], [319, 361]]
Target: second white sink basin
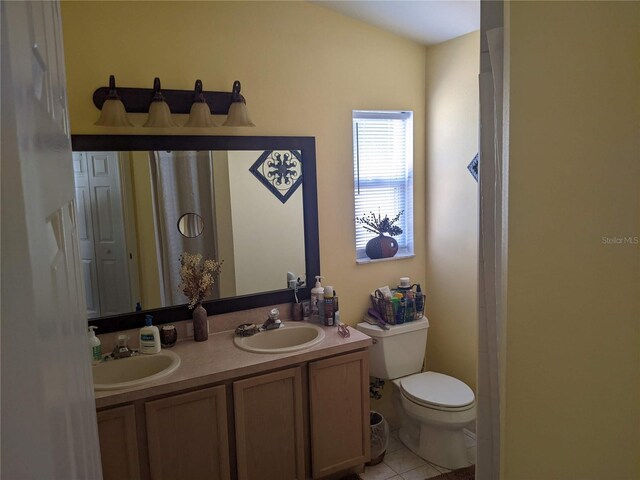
[[134, 371], [288, 338]]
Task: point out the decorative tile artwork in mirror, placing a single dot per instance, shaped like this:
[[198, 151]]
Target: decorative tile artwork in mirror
[[473, 167], [280, 172]]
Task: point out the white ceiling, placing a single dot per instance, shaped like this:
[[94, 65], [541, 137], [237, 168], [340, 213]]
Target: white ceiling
[[425, 21]]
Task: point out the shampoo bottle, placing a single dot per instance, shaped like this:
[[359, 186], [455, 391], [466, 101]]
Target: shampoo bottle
[[149, 337], [317, 298], [95, 347]]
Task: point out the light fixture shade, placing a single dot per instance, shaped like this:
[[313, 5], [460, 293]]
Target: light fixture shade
[[200, 114], [159, 115], [238, 116], [159, 111], [113, 114]]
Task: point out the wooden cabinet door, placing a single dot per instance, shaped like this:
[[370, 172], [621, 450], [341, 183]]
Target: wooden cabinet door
[[119, 443], [339, 413], [187, 436], [269, 426]]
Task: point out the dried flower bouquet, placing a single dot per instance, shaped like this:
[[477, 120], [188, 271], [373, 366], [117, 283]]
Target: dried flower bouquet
[[197, 277]]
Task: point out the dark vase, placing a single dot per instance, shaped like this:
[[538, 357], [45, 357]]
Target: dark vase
[[381, 247], [200, 324]]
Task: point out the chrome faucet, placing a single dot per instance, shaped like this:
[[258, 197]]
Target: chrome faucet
[[122, 350], [273, 321]]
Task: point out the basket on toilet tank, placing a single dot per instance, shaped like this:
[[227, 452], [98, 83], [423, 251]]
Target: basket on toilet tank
[[396, 352], [405, 305]]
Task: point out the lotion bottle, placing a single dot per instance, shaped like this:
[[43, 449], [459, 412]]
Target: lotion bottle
[[95, 347], [149, 337], [317, 298]]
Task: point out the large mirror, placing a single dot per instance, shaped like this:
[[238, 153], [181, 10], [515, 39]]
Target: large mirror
[[143, 200]]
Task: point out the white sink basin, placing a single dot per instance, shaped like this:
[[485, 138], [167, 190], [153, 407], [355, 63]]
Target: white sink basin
[[288, 338], [134, 371]]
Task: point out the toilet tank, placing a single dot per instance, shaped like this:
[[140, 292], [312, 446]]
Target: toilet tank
[[396, 352]]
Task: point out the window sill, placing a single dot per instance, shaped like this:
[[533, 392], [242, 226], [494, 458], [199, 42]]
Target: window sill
[[398, 256]]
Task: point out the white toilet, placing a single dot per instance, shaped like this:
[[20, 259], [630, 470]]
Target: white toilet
[[434, 408]]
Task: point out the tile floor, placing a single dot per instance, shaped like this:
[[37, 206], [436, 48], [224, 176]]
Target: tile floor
[[400, 463]]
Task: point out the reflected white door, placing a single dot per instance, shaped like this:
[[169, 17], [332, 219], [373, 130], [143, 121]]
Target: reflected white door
[[102, 233], [49, 428], [85, 234]]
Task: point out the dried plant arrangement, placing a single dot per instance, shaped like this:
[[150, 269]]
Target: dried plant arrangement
[[197, 276], [378, 224]]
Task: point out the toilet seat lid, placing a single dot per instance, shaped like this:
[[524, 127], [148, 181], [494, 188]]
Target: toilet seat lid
[[437, 389]]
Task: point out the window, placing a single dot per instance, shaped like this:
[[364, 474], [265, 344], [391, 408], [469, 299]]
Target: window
[[383, 173]]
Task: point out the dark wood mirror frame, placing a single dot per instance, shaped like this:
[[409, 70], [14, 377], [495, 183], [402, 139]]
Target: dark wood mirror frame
[[306, 145]]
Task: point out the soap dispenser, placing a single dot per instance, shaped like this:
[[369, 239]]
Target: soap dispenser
[[317, 298], [95, 347], [149, 337]]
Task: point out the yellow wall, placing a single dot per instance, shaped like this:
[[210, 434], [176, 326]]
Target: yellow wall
[[149, 274], [224, 236], [572, 364], [303, 70], [452, 220], [452, 197], [262, 223]]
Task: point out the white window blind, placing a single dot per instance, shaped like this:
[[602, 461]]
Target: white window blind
[[383, 172]]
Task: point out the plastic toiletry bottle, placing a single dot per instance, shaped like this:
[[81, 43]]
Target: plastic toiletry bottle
[[395, 305], [95, 347], [317, 298], [401, 311], [405, 284], [419, 301], [336, 309], [328, 306], [409, 307], [149, 337]]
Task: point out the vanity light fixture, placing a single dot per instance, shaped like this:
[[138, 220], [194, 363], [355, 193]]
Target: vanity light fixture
[[113, 113], [161, 104], [238, 113], [200, 114], [159, 111]]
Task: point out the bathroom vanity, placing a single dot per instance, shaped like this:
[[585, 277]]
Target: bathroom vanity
[[226, 413]]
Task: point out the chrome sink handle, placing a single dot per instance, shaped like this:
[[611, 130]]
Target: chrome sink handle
[[273, 321], [121, 349]]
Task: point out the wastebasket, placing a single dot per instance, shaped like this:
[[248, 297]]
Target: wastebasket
[[379, 437]]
